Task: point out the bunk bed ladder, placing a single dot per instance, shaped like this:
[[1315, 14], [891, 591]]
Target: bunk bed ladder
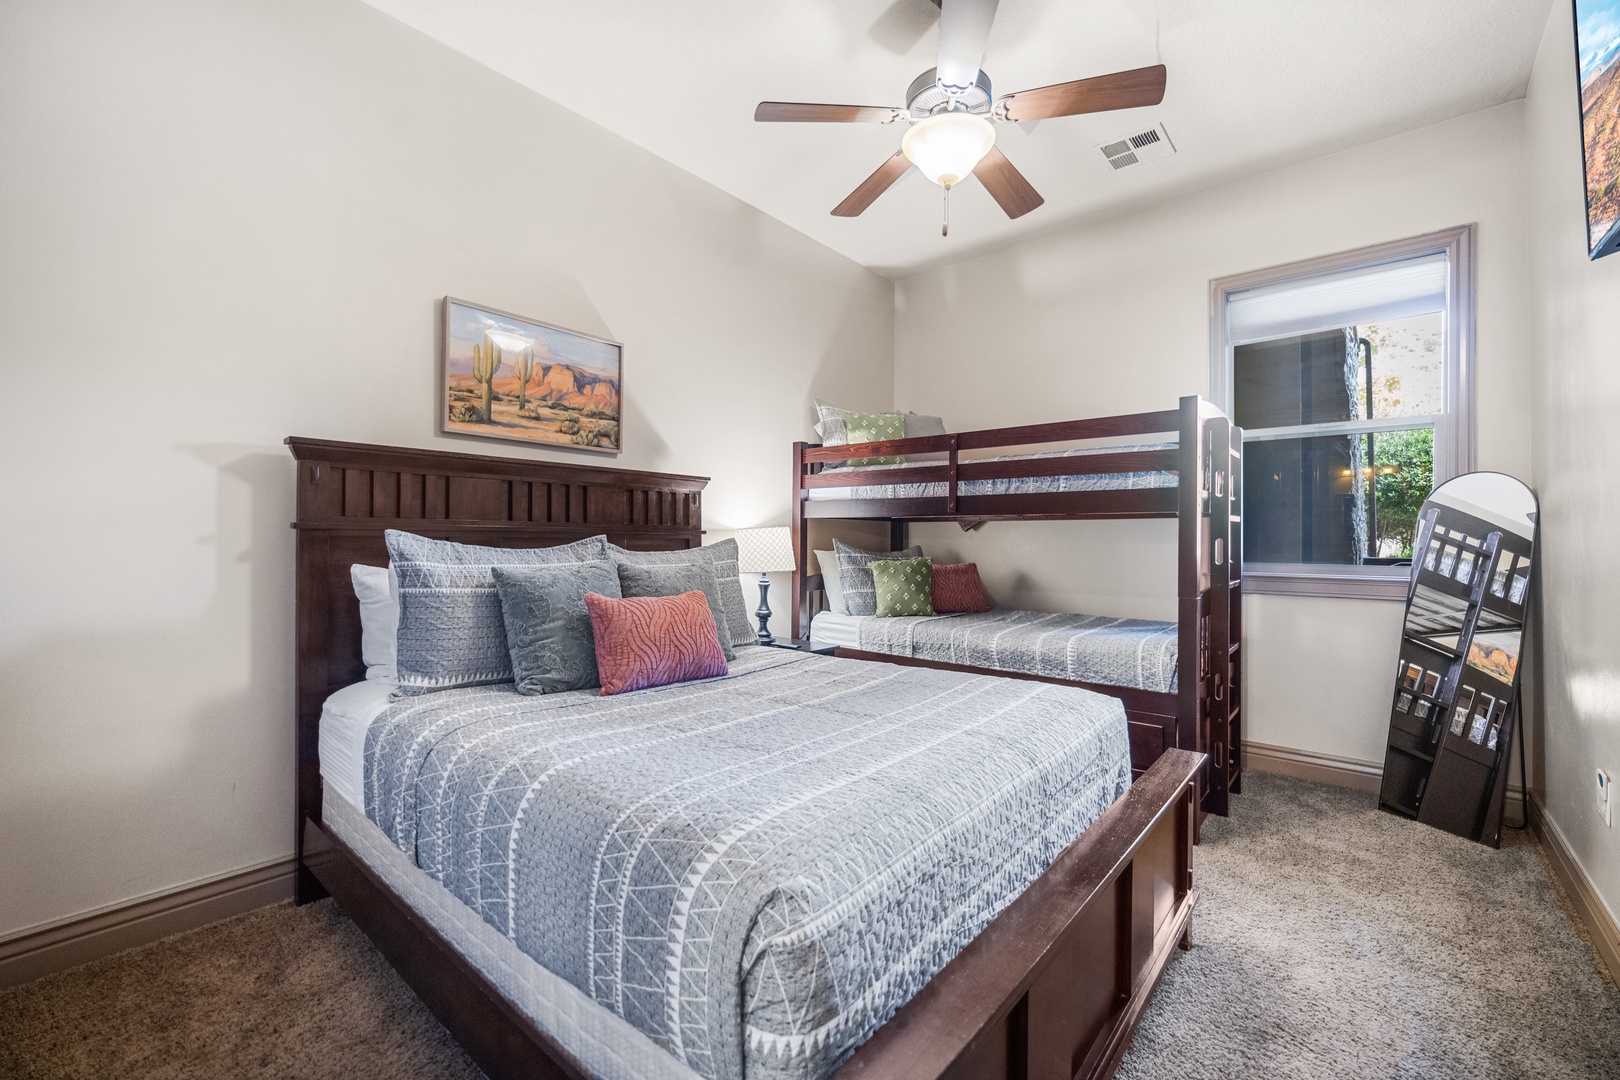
[[1218, 451], [1208, 598], [1234, 573]]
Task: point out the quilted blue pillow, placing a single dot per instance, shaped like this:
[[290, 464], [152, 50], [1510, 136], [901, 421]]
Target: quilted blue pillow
[[451, 631], [548, 628]]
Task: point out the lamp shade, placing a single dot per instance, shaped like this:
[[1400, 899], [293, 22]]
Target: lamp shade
[[946, 146], [761, 551]]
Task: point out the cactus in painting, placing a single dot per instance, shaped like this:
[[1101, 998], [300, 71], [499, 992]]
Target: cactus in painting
[[486, 362], [523, 366]]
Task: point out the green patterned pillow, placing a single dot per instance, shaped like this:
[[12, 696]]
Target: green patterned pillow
[[904, 587], [874, 427]]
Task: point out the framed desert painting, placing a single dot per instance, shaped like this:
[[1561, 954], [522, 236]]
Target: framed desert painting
[[511, 377]]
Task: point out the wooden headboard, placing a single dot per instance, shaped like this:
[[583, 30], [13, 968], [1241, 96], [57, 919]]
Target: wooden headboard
[[349, 493]]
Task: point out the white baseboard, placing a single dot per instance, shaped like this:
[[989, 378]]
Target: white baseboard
[[1339, 771], [1601, 927], [66, 943], [1309, 765]]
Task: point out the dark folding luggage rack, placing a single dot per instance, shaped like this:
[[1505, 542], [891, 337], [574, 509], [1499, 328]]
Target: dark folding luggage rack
[[1204, 713]]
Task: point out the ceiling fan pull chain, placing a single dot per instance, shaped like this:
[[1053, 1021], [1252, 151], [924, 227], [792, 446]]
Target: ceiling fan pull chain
[[945, 225]]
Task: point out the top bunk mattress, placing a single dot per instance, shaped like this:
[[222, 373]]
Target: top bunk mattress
[[1033, 485], [1135, 653], [755, 870]]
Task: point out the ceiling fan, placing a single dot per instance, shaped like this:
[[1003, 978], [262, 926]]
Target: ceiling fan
[[950, 110]]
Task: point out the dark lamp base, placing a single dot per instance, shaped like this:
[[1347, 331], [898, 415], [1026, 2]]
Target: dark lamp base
[[763, 613]]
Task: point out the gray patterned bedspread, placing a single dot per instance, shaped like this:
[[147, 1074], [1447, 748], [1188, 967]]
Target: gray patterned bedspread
[[755, 870], [1090, 648], [1034, 485]]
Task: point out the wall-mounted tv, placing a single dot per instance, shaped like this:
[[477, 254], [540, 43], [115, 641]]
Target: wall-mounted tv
[[1597, 53]]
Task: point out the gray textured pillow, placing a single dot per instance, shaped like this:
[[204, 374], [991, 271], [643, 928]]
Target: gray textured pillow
[[673, 580], [728, 579], [855, 574], [548, 628], [451, 631]]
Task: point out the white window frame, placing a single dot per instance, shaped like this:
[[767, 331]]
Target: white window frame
[[1453, 430]]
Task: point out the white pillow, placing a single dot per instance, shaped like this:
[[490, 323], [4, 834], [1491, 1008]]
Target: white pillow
[[830, 581], [379, 620], [918, 425]]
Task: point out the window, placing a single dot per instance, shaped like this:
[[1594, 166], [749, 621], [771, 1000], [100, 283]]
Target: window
[[1350, 376]]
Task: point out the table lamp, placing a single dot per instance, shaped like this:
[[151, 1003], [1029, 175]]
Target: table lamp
[[765, 551]]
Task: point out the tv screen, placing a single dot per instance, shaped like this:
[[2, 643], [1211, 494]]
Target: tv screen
[[1597, 52]]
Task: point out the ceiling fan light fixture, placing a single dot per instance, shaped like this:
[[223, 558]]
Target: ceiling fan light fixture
[[946, 146]]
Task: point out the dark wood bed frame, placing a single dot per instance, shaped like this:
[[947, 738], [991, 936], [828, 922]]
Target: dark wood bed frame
[[1204, 713], [1053, 988]]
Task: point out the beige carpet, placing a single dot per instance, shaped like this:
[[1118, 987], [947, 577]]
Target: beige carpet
[[1332, 941], [1337, 941], [282, 992]]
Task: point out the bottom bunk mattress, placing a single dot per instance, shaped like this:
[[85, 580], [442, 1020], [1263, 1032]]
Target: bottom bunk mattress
[[756, 870], [1135, 653]]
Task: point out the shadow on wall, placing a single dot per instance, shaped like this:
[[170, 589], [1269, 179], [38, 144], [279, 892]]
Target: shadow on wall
[[161, 754], [828, 382]]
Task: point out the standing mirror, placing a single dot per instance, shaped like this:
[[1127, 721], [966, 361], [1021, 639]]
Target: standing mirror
[[1453, 712]]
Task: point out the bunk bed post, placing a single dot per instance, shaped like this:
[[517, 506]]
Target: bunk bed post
[[897, 534], [799, 617], [1192, 664]]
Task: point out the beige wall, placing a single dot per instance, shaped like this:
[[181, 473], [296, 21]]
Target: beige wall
[[1115, 318], [1576, 367], [229, 221]]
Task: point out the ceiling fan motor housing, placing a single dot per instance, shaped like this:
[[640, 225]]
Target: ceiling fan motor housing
[[926, 96]]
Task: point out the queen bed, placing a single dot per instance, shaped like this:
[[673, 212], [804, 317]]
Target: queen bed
[[805, 867]]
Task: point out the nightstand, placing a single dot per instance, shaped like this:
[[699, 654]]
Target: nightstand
[[804, 645]]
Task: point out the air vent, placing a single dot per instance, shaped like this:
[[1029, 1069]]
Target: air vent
[[1149, 145]]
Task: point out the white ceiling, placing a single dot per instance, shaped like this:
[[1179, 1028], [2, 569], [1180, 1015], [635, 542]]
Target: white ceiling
[[1253, 85]]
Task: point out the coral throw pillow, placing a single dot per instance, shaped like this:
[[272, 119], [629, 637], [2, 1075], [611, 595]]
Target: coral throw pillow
[[644, 641], [957, 588]]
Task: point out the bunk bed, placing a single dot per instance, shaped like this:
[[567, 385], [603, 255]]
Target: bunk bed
[[1195, 479]]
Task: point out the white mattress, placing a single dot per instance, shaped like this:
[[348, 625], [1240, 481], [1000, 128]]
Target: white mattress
[[833, 628], [604, 1044], [345, 719]]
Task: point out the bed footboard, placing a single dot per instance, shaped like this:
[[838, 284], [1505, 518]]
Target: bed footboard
[[1053, 989]]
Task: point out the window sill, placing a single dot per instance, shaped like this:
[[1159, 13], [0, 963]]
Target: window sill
[[1348, 583]]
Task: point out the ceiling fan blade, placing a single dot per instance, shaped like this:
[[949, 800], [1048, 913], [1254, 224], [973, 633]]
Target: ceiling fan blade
[[964, 28], [873, 186], [1121, 90], [1006, 184], [792, 112]]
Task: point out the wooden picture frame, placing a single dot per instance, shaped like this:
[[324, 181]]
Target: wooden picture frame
[[517, 379]]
